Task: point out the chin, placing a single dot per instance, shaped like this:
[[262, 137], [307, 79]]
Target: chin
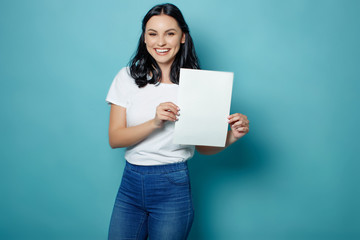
[[164, 61]]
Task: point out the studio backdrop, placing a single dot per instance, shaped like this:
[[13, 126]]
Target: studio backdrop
[[296, 67]]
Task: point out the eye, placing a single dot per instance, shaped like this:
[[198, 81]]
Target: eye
[[171, 33], [152, 34]]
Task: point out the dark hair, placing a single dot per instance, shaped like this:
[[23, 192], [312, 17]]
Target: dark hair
[[142, 64]]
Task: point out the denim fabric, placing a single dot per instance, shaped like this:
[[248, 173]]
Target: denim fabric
[[153, 202]]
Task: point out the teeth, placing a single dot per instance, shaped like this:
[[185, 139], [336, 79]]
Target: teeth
[[162, 50]]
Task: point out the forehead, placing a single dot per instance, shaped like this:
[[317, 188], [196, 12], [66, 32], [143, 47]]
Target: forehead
[[162, 22]]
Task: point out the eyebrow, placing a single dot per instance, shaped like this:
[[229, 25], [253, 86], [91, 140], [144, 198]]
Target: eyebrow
[[171, 29]]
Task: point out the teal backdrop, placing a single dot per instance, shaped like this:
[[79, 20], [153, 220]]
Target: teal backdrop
[[296, 65]]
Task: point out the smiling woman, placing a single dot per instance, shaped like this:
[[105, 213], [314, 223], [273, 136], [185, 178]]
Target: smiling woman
[[154, 199]]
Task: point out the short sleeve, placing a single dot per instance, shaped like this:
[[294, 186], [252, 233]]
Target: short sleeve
[[121, 88]]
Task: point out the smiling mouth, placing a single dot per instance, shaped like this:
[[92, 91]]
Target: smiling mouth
[[162, 51]]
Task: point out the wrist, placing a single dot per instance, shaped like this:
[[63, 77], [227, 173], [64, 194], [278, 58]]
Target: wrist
[[154, 124], [231, 138]]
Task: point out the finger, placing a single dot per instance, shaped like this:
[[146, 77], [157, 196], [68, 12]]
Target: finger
[[234, 119], [169, 111], [241, 118], [240, 123], [171, 104], [237, 115], [168, 116], [242, 129], [233, 115], [170, 108], [164, 118], [243, 122]]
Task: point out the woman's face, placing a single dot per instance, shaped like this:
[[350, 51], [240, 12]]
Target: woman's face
[[163, 37]]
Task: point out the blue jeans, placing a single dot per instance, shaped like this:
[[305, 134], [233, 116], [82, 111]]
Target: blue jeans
[[153, 202]]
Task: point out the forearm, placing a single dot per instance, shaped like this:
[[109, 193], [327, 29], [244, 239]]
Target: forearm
[[128, 136], [207, 150]]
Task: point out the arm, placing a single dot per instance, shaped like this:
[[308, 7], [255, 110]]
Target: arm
[[122, 136], [239, 125]]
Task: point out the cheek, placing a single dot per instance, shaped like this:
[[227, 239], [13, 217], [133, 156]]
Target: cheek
[[149, 42], [149, 47], [176, 42]]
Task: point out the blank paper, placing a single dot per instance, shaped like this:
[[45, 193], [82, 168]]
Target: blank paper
[[204, 99]]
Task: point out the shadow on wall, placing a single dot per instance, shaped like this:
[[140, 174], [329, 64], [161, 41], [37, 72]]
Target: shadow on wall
[[246, 158]]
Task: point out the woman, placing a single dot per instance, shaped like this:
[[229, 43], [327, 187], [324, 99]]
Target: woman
[[154, 198]]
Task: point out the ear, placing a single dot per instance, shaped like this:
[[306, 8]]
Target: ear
[[183, 38]]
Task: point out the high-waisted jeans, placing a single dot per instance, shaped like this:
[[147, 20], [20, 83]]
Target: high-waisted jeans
[[153, 202]]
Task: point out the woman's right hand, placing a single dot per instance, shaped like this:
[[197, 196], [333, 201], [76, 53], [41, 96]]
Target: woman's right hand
[[166, 111]]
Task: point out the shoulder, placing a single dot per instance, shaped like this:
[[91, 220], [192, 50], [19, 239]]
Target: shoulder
[[123, 77], [124, 73]]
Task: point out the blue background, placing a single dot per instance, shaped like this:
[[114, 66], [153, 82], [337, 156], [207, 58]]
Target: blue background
[[296, 65]]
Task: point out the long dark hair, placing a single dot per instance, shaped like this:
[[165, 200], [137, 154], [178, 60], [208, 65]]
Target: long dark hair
[[142, 64]]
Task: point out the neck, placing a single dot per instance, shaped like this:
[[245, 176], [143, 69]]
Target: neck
[[165, 69]]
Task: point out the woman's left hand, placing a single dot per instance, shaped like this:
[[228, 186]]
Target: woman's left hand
[[239, 125]]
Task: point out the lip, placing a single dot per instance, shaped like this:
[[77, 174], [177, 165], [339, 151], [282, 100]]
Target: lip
[[162, 53]]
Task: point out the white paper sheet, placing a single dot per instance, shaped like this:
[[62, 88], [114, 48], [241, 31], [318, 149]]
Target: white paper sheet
[[204, 99]]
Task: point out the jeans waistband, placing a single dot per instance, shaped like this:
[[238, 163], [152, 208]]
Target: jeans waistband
[[173, 167]]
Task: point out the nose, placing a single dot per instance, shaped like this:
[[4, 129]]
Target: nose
[[161, 41]]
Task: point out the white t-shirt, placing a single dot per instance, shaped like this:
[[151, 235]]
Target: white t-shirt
[[140, 104]]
